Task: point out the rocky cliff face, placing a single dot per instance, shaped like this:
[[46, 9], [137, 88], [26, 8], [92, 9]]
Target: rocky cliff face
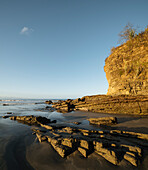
[[127, 67], [127, 74]]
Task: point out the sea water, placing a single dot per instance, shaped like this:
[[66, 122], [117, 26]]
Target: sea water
[[22, 107]]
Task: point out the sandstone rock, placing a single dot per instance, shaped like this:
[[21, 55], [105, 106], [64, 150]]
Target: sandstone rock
[[13, 118], [50, 136], [121, 104], [38, 130], [32, 119], [70, 142], [85, 134], [47, 126], [55, 141], [108, 155], [63, 151], [126, 68], [85, 152], [87, 144], [131, 159], [84, 130], [103, 121], [68, 130], [110, 144], [101, 144], [48, 102], [133, 149], [137, 135], [41, 138]]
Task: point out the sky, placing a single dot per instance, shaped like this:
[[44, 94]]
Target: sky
[[57, 48]]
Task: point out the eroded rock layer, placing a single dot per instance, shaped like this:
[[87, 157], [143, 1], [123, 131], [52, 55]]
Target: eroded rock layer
[[113, 145], [121, 104]]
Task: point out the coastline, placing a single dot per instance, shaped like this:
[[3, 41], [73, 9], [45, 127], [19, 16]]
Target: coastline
[[22, 150]]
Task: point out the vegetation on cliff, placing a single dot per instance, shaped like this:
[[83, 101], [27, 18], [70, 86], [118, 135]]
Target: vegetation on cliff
[[127, 67]]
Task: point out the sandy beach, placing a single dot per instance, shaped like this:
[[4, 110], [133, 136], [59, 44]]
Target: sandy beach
[[20, 150]]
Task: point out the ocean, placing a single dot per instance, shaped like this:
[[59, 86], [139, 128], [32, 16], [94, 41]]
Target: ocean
[[21, 107]]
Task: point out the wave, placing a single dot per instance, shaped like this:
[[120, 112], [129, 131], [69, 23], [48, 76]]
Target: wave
[[8, 100], [14, 104]]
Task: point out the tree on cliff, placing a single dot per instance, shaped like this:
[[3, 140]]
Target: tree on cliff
[[127, 33]]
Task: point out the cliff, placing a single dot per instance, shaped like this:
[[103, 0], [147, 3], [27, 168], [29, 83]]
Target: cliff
[[127, 74], [127, 67]]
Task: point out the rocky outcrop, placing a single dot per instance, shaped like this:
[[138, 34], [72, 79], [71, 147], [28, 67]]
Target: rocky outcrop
[[103, 121], [127, 67], [112, 145], [48, 102], [121, 104], [31, 120]]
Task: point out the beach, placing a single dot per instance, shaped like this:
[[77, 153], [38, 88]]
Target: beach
[[20, 149]]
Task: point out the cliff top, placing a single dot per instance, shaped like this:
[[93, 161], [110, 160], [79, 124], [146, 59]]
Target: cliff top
[[127, 67]]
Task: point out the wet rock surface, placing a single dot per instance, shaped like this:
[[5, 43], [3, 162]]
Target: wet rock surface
[[112, 145]]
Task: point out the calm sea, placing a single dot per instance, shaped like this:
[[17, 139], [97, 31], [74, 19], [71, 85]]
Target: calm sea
[[27, 107]]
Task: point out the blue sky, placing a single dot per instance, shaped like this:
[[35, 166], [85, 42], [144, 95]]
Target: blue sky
[[57, 48]]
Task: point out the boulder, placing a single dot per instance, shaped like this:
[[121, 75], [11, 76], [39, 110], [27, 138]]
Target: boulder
[[103, 121], [48, 102]]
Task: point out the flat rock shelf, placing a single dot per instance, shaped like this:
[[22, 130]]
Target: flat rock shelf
[[112, 145]]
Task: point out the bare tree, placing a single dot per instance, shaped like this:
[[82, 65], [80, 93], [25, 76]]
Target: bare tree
[[127, 33]]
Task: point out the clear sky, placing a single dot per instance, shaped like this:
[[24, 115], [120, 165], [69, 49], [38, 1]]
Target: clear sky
[[57, 48]]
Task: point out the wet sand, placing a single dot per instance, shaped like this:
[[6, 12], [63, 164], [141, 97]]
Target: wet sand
[[20, 150]]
